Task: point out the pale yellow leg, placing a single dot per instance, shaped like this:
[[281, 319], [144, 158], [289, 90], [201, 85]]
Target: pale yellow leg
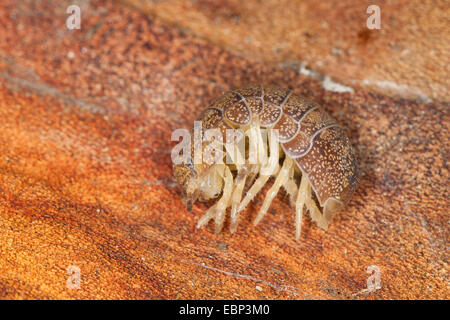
[[262, 147], [270, 167], [291, 187], [209, 214], [256, 187], [314, 211], [251, 177], [299, 204], [218, 210], [223, 203], [237, 196], [280, 180]]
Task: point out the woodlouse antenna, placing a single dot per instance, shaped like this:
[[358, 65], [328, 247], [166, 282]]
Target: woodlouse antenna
[[189, 203]]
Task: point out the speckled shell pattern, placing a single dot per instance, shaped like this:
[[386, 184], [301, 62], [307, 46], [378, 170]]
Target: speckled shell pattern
[[307, 134]]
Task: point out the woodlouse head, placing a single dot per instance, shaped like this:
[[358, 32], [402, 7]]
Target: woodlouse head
[[197, 182]]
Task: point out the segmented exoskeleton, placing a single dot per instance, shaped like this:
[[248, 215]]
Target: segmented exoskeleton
[[319, 167]]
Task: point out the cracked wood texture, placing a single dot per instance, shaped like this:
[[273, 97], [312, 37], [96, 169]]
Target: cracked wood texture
[[85, 170]]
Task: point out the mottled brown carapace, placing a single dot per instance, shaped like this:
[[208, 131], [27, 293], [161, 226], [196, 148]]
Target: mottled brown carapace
[[317, 169]]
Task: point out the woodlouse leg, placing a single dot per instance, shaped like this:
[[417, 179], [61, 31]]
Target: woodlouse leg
[[209, 214], [224, 202], [280, 180], [269, 168], [257, 153], [262, 155], [218, 210], [314, 211], [239, 184], [291, 187], [299, 205], [251, 177], [253, 191]]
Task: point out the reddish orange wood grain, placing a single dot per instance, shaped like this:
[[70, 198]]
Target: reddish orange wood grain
[[407, 56], [85, 173]]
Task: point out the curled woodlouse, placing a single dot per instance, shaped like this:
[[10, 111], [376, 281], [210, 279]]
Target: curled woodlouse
[[318, 170]]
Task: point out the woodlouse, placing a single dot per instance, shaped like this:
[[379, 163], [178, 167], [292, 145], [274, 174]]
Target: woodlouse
[[319, 168]]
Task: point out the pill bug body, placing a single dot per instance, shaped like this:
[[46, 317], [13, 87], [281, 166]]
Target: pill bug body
[[319, 169]]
